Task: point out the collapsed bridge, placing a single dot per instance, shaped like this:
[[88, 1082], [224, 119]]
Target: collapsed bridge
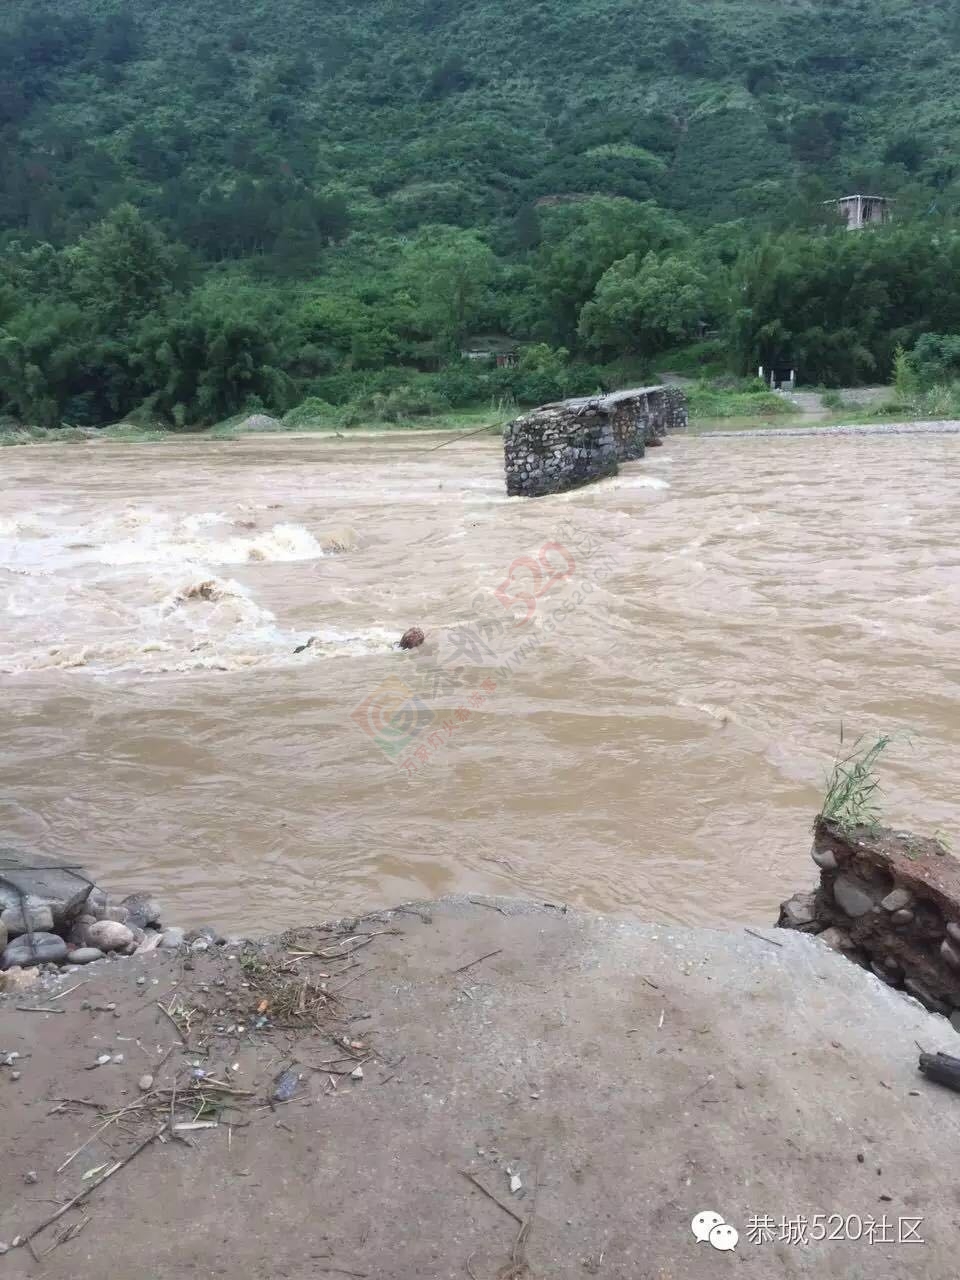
[[560, 446]]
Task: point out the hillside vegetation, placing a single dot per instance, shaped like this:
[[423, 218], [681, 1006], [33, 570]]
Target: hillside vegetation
[[208, 206]]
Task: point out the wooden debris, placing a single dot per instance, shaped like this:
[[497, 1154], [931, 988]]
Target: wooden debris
[[87, 1191]]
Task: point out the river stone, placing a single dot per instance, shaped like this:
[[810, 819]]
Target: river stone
[[852, 896], [30, 914], [77, 933], [85, 955], [96, 904], [825, 859], [890, 976], [206, 933], [172, 938], [836, 939], [902, 917], [4, 935], [897, 899], [259, 422], [109, 935], [799, 910], [141, 910], [116, 912], [17, 980], [35, 877], [151, 940], [953, 931], [42, 948], [949, 953]]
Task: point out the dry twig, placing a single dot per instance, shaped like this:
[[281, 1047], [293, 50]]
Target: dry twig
[[490, 1196], [471, 963], [82, 1195], [763, 938]]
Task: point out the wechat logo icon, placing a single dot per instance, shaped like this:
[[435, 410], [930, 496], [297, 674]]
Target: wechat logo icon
[[709, 1228]]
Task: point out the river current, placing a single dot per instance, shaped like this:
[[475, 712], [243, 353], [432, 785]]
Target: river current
[[628, 698]]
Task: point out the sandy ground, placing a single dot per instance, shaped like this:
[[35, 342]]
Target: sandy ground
[[626, 1076]]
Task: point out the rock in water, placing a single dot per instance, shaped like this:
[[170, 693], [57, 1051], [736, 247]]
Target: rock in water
[[172, 937], [109, 935], [412, 638], [38, 948]]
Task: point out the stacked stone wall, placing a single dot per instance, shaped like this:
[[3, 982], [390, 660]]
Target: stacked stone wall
[[560, 446], [890, 901]]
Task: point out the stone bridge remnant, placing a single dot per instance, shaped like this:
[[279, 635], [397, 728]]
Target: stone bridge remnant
[[561, 446]]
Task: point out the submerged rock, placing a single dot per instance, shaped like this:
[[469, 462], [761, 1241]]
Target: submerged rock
[[412, 638]]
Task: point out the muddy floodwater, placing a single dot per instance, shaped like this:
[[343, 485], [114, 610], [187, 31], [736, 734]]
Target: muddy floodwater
[[628, 697]]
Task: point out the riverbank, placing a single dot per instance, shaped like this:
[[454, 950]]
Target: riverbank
[[947, 427], [475, 1087]]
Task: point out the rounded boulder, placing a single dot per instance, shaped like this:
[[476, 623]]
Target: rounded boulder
[[32, 949], [109, 935]]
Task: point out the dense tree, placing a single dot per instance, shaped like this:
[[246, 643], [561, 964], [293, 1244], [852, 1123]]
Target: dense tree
[[580, 242], [448, 272], [211, 358], [122, 269], [642, 305], [199, 212]]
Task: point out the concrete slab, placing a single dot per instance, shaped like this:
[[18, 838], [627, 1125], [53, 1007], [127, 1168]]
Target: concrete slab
[[630, 1075]]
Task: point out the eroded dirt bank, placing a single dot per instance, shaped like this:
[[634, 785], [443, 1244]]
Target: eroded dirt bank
[[626, 1076]]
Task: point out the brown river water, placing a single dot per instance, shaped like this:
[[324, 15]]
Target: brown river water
[[628, 699]]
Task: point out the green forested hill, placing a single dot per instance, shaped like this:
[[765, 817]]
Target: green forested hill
[[425, 111], [362, 185]]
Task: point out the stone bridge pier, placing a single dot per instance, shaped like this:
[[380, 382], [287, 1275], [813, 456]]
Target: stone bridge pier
[[561, 446]]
